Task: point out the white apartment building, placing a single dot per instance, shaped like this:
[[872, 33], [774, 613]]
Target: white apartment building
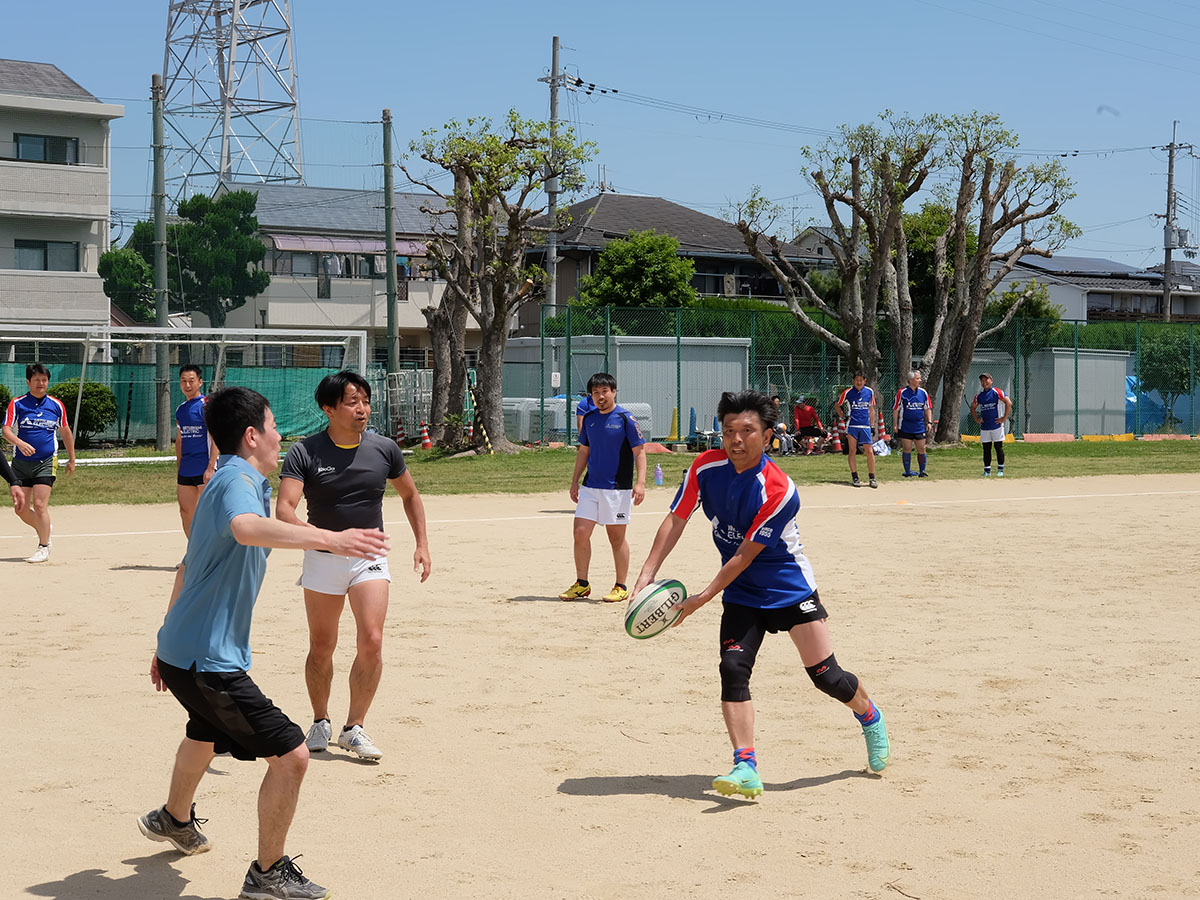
[[54, 196]]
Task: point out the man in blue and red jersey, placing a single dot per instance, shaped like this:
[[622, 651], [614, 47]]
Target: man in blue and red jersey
[[912, 419], [31, 425], [858, 402], [985, 409], [767, 581], [611, 448], [195, 454]]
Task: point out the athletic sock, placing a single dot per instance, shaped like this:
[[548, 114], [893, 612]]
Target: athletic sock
[[621, 586], [582, 582], [870, 717], [175, 821], [745, 755], [907, 458], [987, 470], [322, 719], [921, 461]]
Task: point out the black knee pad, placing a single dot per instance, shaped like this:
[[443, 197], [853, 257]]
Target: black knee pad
[[832, 679], [736, 667]]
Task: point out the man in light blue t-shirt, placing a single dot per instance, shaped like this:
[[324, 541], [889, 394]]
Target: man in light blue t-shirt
[[203, 651]]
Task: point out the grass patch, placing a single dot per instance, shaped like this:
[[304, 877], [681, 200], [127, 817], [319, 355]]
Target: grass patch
[[536, 471]]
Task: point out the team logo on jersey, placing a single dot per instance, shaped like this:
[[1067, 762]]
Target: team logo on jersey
[[765, 531], [325, 470]]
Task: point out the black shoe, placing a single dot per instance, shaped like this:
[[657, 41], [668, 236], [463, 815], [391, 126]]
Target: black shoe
[[923, 475], [856, 482], [873, 482]]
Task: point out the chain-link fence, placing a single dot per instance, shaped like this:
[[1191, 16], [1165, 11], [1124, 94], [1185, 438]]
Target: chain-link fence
[[1063, 377]]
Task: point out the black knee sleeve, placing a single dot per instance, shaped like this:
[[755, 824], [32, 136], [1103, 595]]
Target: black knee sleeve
[[832, 679], [736, 666], [987, 453]]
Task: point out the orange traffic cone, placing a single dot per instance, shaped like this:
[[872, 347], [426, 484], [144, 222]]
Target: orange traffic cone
[[426, 444], [401, 437], [883, 435], [837, 436], [471, 429]]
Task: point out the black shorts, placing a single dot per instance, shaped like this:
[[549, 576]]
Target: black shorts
[[910, 435], [190, 480], [31, 472], [227, 710], [810, 431]]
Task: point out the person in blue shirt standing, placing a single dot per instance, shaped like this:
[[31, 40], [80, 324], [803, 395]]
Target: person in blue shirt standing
[[195, 454], [203, 651], [611, 449], [912, 419], [985, 409], [859, 404], [584, 407], [767, 582], [31, 425]]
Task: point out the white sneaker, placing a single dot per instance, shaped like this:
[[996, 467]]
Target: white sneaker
[[40, 555], [318, 736], [358, 741]]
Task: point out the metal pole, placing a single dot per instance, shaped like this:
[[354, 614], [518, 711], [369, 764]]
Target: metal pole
[[1017, 429], [1170, 234], [753, 353], [679, 373], [568, 412], [162, 431], [1076, 381], [1137, 371], [552, 184], [542, 368], [1192, 375], [87, 351], [607, 333], [389, 236]]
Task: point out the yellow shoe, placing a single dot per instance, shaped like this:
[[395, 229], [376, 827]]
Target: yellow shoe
[[618, 594], [576, 591]]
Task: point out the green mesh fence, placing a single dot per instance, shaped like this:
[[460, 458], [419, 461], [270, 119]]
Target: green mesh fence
[[1100, 378]]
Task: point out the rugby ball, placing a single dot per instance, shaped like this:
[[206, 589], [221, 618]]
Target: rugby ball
[[654, 609]]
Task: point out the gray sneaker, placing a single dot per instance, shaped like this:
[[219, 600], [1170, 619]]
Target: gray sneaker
[[283, 881], [358, 741], [318, 736], [187, 839]]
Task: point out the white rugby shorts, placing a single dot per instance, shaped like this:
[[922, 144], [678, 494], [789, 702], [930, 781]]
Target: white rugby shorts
[[992, 435], [328, 573], [604, 507]]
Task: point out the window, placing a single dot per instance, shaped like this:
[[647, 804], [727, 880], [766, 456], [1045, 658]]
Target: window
[[304, 264], [47, 256], [45, 148]]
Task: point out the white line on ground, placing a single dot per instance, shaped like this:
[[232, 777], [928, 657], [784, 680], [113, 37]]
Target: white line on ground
[[564, 514]]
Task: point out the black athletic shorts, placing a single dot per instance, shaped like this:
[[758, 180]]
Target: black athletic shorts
[[810, 431], [32, 472], [190, 480], [746, 618], [910, 435], [228, 710]]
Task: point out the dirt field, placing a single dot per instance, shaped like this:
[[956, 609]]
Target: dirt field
[[1033, 644]]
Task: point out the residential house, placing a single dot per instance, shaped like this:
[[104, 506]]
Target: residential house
[[723, 265], [326, 255], [54, 196]]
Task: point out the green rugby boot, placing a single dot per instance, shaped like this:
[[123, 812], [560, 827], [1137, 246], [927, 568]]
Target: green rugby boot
[[742, 780], [879, 748]]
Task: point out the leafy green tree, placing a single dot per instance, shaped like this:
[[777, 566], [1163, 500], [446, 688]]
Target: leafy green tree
[[643, 269], [217, 254], [97, 410], [1165, 366], [479, 239], [128, 282]]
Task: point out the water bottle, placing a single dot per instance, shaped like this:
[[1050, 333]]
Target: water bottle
[[658, 476]]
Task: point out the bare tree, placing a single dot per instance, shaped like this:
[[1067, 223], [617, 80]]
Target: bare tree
[[997, 196], [498, 176]]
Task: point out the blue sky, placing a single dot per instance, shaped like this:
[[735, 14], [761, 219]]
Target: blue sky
[[1067, 75]]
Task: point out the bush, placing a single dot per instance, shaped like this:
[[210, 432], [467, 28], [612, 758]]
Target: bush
[[97, 411], [5, 397]]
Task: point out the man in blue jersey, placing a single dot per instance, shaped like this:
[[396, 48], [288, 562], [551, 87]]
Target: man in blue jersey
[[611, 448], [858, 403], [767, 581], [985, 409], [31, 425], [582, 408], [912, 419], [203, 651], [195, 454]]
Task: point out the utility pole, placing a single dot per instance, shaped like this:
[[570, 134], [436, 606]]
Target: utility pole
[[162, 372], [552, 181], [1170, 231], [389, 236]]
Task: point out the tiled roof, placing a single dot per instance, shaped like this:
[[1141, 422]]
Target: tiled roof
[[606, 217], [35, 79], [1078, 265], [298, 207]]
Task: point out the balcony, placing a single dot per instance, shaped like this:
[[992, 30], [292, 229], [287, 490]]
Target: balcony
[[51, 190], [52, 298]]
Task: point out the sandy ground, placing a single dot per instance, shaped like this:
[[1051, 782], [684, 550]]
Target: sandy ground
[[1033, 644]]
